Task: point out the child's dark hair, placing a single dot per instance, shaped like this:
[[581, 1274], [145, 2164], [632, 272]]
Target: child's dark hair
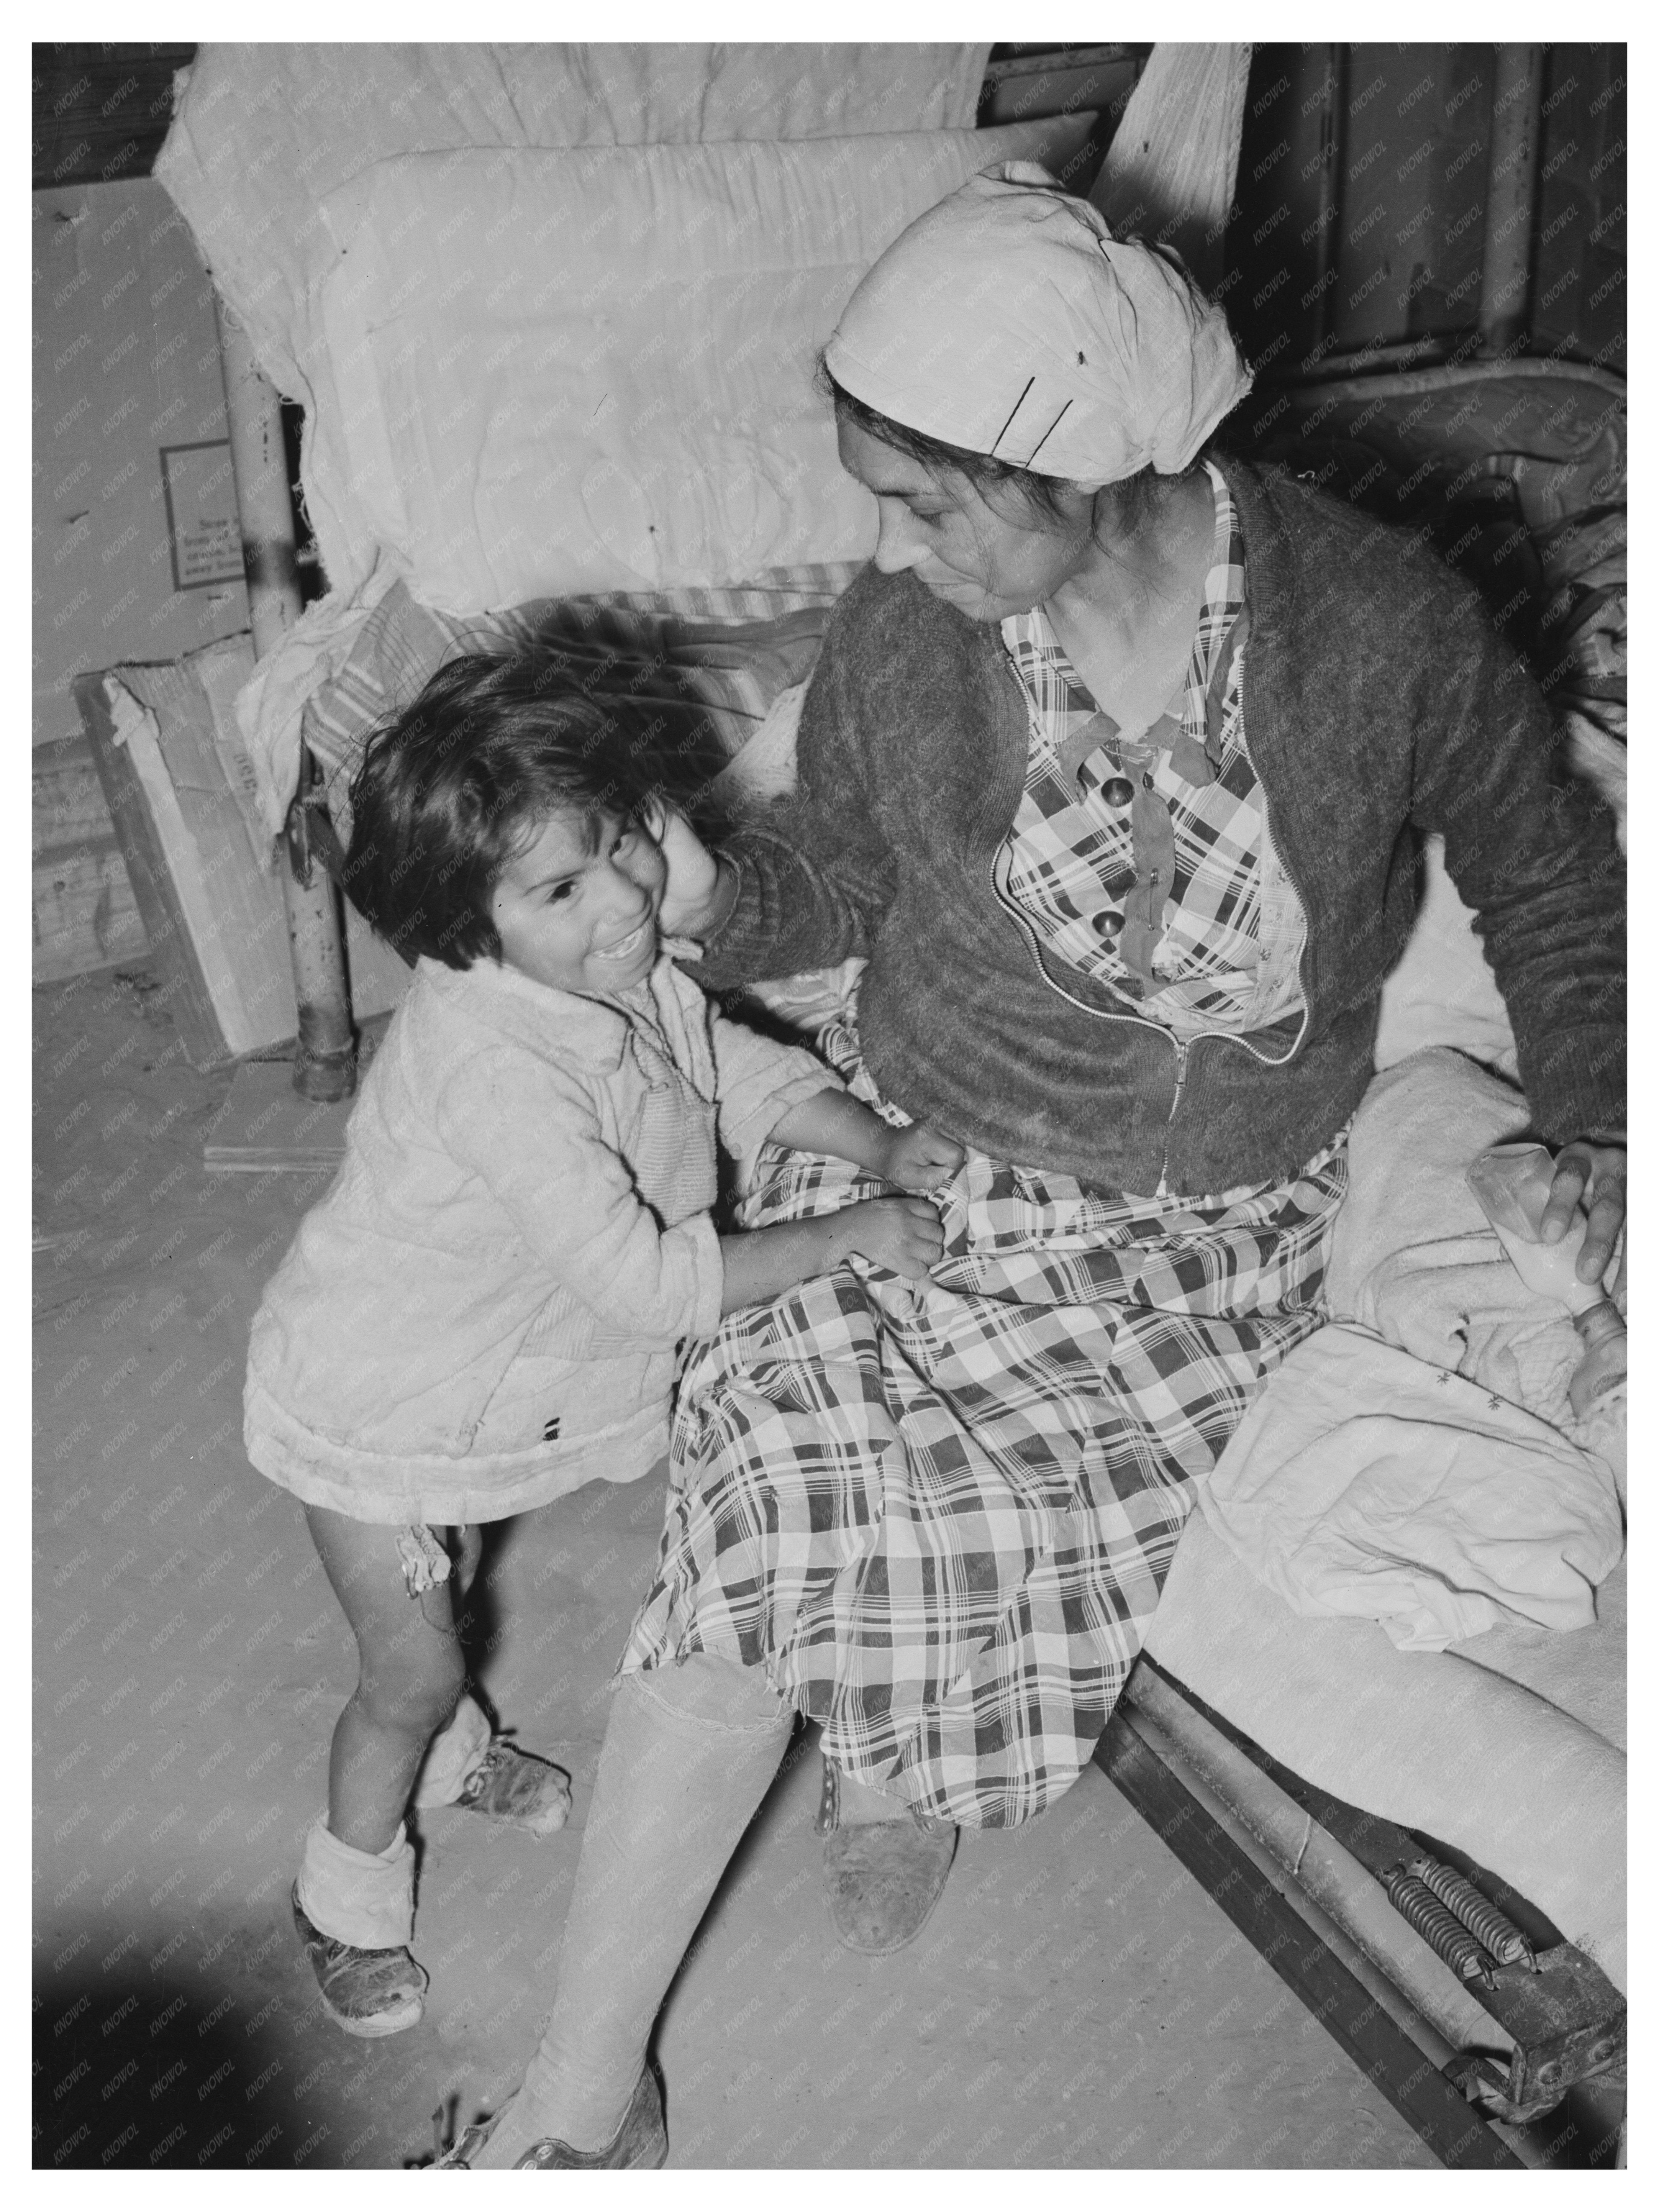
[[451, 789]]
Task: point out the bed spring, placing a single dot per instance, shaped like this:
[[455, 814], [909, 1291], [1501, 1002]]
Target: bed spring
[[1489, 1926], [1440, 1929]]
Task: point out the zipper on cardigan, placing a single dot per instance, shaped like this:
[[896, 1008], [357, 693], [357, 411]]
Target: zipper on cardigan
[[1183, 1046], [1010, 906], [1180, 1046]]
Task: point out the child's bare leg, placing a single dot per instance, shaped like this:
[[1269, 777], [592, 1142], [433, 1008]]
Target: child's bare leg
[[410, 1676]]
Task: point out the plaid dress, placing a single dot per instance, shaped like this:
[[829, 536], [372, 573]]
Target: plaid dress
[[939, 1514], [1147, 863]]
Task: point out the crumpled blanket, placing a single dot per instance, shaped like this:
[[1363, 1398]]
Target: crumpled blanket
[[1415, 1260], [1417, 1462], [1365, 1481]]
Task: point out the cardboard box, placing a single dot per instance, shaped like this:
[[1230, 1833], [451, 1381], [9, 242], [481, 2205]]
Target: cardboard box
[[136, 550], [179, 784]]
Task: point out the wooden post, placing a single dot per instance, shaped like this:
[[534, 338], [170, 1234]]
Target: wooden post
[[325, 1065], [1172, 167], [1511, 185], [1333, 126]]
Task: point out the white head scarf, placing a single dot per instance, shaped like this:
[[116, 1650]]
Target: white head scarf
[[1008, 321]]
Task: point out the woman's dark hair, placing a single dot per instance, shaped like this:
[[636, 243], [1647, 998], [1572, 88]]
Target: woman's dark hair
[[1133, 500], [452, 788]]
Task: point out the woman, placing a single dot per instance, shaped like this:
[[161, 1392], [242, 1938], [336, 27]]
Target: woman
[[1107, 771]]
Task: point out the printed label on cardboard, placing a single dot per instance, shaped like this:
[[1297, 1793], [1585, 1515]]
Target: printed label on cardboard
[[199, 485]]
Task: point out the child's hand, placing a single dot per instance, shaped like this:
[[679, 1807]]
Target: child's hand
[[900, 1233], [920, 1157], [693, 872]]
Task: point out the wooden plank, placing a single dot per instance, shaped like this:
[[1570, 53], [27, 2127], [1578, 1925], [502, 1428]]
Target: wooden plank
[[1579, 293], [1007, 63], [1342, 2004], [185, 989], [85, 915], [1096, 77], [1173, 166], [265, 1126], [100, 112]]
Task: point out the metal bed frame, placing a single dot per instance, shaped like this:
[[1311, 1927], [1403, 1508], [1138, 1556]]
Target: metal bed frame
[[1523, 2062]]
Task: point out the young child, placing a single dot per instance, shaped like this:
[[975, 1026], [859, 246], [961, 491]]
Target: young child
[[489, 1307]]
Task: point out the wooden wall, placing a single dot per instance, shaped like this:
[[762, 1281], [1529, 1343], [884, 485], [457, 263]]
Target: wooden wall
[[1359, 227], [137, 543]]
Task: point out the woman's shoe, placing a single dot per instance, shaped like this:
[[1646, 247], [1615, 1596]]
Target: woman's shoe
[[881, 1878], [367, 1993], [640, 2142]]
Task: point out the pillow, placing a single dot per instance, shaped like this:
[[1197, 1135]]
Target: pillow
[[262, 131], [563, 373]]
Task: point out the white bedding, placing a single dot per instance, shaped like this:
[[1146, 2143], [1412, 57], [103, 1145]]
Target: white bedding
[[1509, 1744], [262, 133], [547, 374], [1366, 1483], [553, 312], [1417, 1462]]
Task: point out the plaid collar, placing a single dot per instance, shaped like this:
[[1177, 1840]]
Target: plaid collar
[[1181, 812], [1193, 737]]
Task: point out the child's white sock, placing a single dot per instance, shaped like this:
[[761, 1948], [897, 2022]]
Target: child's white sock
[[365, 1897]]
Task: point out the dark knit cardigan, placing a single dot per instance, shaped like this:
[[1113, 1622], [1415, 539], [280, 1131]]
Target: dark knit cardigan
[[1376, 698]]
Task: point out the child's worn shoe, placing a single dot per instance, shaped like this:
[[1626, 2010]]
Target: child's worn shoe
[[640, 2142], [368, 1993], [516, 1786]]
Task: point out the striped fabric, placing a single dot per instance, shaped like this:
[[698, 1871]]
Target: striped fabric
[[939, 1515], [1142, 863], [726, 651]]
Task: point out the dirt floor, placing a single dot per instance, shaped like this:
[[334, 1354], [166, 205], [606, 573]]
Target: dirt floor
[[1076, 2000]]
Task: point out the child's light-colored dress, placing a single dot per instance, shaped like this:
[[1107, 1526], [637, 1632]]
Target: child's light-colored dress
[[489, 1307]]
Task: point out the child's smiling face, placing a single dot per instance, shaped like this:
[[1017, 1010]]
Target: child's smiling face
[[577, 908]]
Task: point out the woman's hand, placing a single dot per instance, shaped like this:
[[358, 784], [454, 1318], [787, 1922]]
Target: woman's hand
[[919, 1157], [694, 876], [1591, 1174], [901, 1233]]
